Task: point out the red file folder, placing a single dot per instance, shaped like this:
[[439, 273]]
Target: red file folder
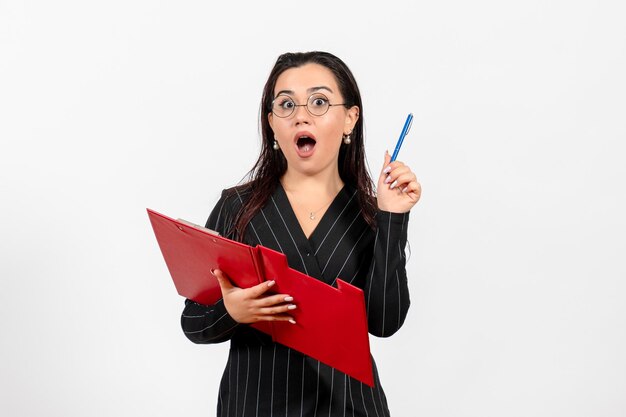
[[331, 323]]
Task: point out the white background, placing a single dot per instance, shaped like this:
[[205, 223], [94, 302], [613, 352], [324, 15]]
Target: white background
[[516, 271]]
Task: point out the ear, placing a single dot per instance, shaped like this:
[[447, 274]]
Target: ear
[[352, 116], [270, 120]]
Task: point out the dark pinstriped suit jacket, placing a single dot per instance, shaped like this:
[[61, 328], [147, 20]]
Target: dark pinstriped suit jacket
[[263, 378]]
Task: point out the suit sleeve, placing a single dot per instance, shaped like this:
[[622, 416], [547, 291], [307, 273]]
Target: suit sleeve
[[211, 323], [386, 289]]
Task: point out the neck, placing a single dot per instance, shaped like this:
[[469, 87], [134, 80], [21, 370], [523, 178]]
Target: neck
[[310, 195], [323, 183]]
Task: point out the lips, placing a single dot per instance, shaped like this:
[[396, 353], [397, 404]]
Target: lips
[[305, 144]]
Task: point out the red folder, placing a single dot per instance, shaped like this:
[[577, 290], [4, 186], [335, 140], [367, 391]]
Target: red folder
[[331, 323]]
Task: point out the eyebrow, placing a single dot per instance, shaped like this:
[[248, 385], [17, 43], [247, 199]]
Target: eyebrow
[[309, 91]]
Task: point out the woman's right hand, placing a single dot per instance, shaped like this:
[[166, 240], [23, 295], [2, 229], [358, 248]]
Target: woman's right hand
[[250, 305]]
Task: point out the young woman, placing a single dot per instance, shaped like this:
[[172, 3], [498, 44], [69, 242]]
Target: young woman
[[310, 197]]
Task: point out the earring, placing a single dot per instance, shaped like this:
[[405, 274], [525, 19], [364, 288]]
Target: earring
[[346, 139], [276, 146]]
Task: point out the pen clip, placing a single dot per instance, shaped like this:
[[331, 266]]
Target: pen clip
[[410, 124]]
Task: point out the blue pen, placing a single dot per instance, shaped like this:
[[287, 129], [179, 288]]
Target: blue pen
[[405, 131]]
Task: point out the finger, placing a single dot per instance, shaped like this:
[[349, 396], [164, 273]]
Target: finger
[[413, 188], [276, 317], [268, 311], [385, 170], [396, 172], [272, 300], [399, 169], [260, 289], [390, 172], [387, 159], [402, 180], [223, 280]]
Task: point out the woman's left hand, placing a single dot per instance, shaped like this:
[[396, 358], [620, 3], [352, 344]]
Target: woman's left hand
[[398, 189]]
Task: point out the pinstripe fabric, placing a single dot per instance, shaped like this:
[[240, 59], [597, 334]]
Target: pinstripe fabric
[[263, 378]]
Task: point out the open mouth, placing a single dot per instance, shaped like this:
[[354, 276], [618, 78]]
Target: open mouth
[[305, 144]]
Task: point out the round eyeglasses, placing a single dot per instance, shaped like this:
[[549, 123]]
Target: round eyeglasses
[[316, 105]]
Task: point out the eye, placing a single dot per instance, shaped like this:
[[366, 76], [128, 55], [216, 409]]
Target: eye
[[318, 101], [284, 103]]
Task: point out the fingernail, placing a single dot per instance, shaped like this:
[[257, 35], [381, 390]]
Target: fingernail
[[387, 180], [387, 170], [212, 271], [394, 184], [288, 298], [404, 189], [292, 321], [291, 307], [270, 283]]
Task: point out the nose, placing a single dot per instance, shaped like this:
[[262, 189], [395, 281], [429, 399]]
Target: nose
[[301, 114]]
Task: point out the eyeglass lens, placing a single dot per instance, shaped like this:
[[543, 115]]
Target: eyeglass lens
[[284, 106]]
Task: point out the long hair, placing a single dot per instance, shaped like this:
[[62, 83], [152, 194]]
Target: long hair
[[271, 164]]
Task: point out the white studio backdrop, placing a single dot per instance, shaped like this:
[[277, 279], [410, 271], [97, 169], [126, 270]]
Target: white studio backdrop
[[516, 268]]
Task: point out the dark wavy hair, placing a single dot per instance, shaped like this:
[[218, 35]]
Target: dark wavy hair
[[271, 165]]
